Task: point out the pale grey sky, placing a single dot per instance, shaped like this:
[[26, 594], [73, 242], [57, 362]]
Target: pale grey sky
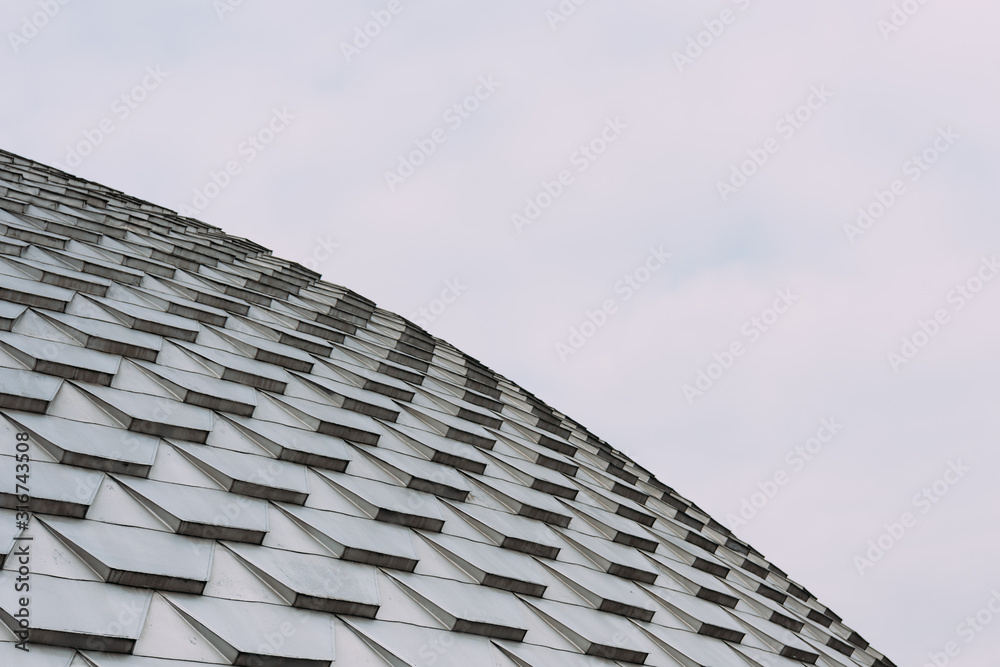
[[601, 204]]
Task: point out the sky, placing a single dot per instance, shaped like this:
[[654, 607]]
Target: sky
[[752, 244]]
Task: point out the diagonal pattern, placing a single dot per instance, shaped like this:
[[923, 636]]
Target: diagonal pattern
[[239, 463]]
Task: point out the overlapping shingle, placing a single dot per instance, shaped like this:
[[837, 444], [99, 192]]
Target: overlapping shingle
[[234, 462]]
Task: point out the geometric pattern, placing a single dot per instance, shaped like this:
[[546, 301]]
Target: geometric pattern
[[210, 456]]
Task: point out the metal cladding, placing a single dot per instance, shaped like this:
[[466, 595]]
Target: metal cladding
[[209, 456]]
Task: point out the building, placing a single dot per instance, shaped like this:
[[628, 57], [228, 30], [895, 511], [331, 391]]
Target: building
[[209, 456]]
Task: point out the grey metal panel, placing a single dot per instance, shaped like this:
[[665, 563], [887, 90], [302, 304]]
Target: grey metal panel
[[9, 312], [453, 427], [593, 632], [420, 474], [91, 445], [82, 257], [239, 368], [295, 444], [8, 531], [250, 475], [199, 512], [530, 655], [35, 656], [33, 293], [204, 390], [526, 501], [315, 582], [703, 617], [61, 276], [440, 449], [54, 489], [251, 633], [24, 390], [136, 557], [613, 558], [615, 527], [536, 477], [359, 540], [152, 415], [389, 503], [107, 336], [351, 398], [772, 660], [513, 532], [334, 421], [113, 660], [540, 455], [68, 361], [366, 378], [140, 317], [774, 636], [77, 614], [156, 294], [402, 645], [468, 607], [268, 351], [493, 566], [606, 592], [685, 646]]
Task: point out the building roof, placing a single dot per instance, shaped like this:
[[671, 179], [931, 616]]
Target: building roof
[[231, 461]]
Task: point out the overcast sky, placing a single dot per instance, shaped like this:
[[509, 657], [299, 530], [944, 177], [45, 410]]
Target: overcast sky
[[647, 213]]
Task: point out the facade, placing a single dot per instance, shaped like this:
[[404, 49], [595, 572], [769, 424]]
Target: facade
[[209, 456]]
